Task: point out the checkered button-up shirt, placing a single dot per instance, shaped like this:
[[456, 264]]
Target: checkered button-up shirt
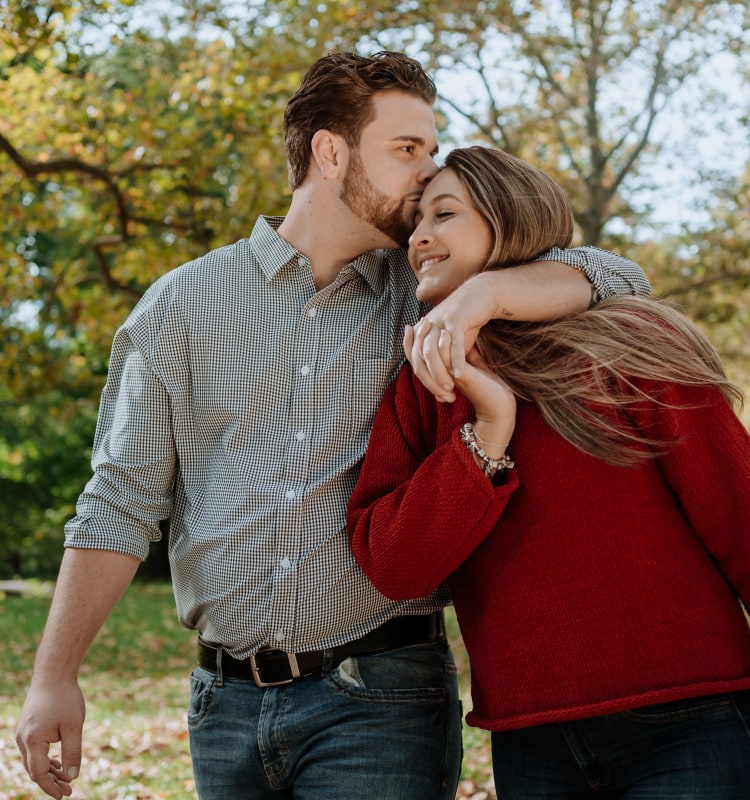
[[238, 403]]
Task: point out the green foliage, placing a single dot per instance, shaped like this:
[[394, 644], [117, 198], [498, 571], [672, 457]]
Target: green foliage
[[44, 447], [137, 134]]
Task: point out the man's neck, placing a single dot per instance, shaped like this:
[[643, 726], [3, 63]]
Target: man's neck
[[327, 233]]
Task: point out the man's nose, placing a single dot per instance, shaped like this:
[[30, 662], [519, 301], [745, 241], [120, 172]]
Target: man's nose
[[429, 170]]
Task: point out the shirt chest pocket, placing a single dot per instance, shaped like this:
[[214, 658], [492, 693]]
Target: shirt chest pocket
[[367, 380]]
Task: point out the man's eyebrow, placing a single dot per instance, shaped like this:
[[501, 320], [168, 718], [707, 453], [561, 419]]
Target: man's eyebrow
[[415, 140]]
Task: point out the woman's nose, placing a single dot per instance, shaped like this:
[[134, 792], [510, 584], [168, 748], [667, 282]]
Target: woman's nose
[[420, 238]]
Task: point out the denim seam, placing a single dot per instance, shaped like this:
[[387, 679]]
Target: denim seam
[[206, 698], [739, 714], [403, 696], [678, 715]]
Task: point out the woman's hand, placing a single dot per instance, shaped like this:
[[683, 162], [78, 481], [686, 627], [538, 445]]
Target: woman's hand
[[494, 404], [493, 400], [440, 341], [427, 349]]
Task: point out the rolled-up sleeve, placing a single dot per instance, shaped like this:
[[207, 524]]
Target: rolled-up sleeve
[[610, 274], [133, 460]]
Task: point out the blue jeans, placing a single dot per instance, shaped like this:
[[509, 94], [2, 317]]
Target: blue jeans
[[379, 727], [696, 749]]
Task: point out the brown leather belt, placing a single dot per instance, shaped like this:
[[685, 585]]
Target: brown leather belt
[[270, 667]]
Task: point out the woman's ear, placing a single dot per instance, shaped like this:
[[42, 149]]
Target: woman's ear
[[330, 153]]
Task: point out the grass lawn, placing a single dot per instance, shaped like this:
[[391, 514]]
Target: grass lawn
[[134, 680]]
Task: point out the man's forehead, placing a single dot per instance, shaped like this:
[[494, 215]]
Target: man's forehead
[[398, 115]]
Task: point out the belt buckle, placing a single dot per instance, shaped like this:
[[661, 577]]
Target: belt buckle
[[293, 669]]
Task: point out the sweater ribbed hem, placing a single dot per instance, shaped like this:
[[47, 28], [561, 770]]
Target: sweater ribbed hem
[[649, 698]]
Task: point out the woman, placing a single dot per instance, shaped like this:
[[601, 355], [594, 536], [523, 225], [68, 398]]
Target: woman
[[587, 498]]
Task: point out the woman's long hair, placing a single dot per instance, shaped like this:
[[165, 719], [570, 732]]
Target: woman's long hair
[[579, 371]]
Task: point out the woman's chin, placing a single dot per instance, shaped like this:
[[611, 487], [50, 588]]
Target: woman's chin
[[426, 295]]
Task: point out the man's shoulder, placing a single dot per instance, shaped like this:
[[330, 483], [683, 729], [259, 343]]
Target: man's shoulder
[[201, 273], [196, 288], [226, 258], [398, 261], [403, 286], [400, 273]]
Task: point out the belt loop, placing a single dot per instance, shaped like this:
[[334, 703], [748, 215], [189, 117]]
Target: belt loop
[[442, 628], [219, 669]]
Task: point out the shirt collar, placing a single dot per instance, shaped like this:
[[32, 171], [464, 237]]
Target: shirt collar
[[274, 252]]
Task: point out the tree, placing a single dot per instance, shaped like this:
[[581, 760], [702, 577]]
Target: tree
[[103, 194], [137, 134], [577, 87], [711, 277]]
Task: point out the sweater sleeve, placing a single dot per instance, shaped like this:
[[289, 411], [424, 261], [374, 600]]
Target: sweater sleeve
[[708, 468], [420, 506]]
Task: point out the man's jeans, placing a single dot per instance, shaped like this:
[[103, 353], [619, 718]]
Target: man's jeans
[[379, 727], [696, 749]]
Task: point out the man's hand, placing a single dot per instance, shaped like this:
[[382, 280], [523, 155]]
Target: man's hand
[[52, 714], [438, 344], [89, 584]]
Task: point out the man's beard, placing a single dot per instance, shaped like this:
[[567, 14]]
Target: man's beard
[[373, 206]]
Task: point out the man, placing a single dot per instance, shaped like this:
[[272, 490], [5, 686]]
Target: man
[[239, 401]]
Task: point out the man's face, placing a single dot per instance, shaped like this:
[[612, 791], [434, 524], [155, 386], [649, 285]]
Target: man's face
[[387, 174]]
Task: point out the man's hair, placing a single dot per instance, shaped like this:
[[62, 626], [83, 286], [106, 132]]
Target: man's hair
[[579, 371], [336, 95]]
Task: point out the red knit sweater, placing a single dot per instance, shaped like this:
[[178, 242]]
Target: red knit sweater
[[580, 588]]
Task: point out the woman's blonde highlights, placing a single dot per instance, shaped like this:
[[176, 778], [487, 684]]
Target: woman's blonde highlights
[[586, 373]]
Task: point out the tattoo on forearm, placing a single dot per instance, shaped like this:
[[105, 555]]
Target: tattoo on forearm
[[506, 312]]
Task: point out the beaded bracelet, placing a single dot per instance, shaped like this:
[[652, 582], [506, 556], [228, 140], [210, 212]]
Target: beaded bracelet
[[489, 466]]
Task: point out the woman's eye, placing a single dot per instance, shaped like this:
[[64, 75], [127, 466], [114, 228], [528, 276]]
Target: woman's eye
[[443, 214]]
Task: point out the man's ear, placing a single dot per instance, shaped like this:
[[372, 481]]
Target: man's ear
[[330, 154]]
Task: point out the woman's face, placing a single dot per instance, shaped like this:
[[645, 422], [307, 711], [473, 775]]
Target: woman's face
[[452, 240]]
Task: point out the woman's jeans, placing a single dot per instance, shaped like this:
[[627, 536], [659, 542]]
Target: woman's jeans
[[696, 749], [379, 727]]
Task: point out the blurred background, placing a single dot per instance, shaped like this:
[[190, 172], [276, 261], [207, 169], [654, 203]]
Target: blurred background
[[136, 135]]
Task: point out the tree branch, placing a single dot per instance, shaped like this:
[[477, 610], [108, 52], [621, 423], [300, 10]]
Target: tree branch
[[706, 283], [33, 169], [98, 246]]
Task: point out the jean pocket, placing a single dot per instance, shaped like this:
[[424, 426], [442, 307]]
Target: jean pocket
[[202, 685], [679, 710], [408, 674]]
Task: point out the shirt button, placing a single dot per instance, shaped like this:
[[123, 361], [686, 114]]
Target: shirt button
[[312, 312], [279, 636], [289, 494], [300, 262], [305, 370], [299, 436], [285, 563]]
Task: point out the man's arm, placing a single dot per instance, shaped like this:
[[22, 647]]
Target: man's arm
[[544, 289], [89, 585], [609, 273]]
